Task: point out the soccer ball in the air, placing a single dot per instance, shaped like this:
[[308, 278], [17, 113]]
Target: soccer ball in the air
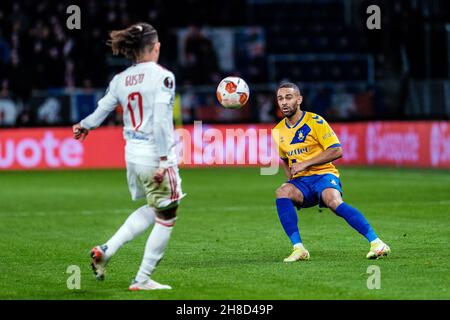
[[232, 92]]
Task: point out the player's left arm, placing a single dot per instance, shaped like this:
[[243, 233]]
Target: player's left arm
[[164, 99], [329, 155], [281, 152], [330, 143]]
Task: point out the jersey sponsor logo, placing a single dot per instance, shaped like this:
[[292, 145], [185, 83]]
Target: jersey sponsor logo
[[168, 82], [298, 151], [135, 135], [301, 134]]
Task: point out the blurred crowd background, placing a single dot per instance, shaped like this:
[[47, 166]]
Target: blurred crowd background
[[53, 76]]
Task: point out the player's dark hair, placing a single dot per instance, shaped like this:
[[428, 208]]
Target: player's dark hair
[[290, 85], [132, 41]]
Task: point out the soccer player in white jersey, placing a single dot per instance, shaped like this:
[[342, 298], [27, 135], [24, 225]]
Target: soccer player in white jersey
[[146, 91]]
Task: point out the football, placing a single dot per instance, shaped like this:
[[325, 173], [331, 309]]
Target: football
[[232, 92]]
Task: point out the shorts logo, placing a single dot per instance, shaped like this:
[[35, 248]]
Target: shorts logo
[[333, 182], [168, 82]]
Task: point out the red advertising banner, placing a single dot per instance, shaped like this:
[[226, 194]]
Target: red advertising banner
[[54, 148], [409, 144]]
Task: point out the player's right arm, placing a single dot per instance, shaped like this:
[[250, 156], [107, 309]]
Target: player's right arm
[[285, 165], [281, 152], [105, 106]]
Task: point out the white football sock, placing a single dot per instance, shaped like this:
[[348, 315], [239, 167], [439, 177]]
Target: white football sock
[[376, 241], [298, 245], [154, 249], [137, 222]]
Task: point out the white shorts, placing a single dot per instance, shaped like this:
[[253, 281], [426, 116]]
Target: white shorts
[[141, 185]]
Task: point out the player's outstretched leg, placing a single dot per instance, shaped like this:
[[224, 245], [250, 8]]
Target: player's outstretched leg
[[332, 198], [356, 219], [289, 220], [139, 221], [154, 251]]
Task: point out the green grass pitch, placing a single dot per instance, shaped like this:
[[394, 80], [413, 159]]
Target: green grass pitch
[[228, 242]]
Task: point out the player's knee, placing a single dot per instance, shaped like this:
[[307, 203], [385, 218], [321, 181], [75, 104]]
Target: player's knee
[[333, 203], [167, 214], [283, 192]]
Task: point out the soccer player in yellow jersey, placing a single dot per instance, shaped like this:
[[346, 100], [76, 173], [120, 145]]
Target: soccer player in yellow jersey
[[307, 145]]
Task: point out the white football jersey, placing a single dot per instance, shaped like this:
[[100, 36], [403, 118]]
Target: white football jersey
[[139, 90]]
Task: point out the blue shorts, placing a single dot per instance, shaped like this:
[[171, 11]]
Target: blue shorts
[[312, 187]]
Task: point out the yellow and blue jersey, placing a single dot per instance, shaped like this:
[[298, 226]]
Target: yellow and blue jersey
[[306, 139]]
